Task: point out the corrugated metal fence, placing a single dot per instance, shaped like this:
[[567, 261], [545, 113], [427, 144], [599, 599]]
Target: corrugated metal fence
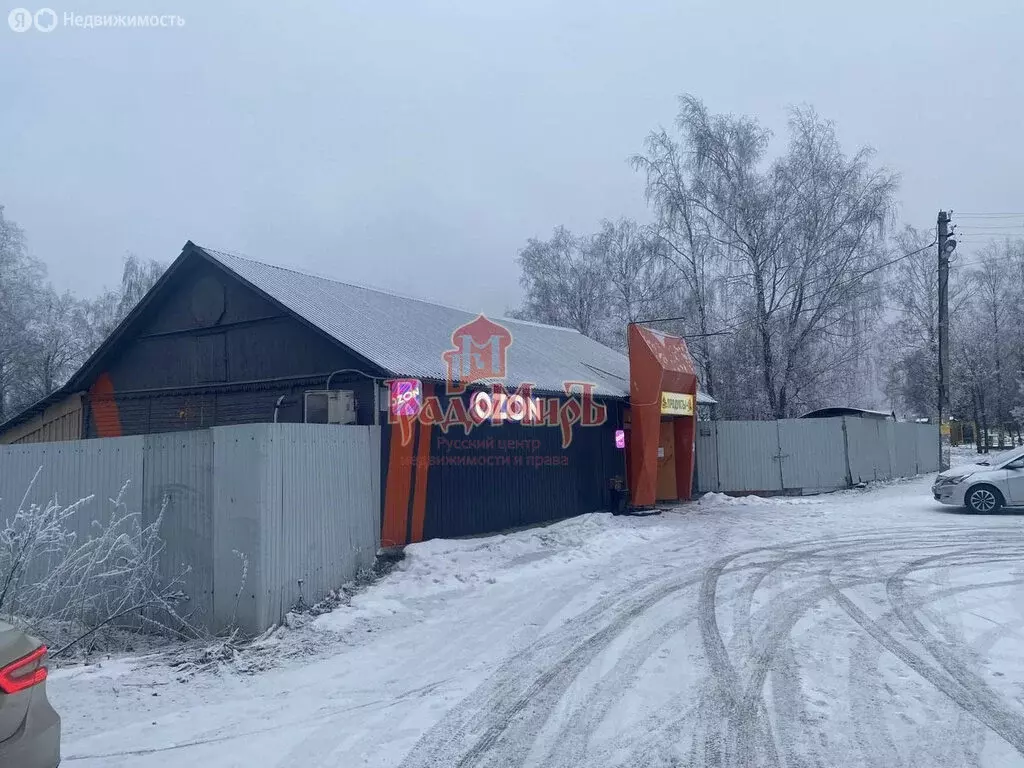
[[301, 501], [810, 455]]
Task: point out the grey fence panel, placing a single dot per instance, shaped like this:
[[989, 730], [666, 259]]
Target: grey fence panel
[[178, 480], [812, 454], [879, 450], [927, 447], [239, 496], [69, 472], [276, 520], [748, 456], [375, 489], [904, 453], [887, 449], [706, 457], [868, 459], [328, 513], [248, 511]]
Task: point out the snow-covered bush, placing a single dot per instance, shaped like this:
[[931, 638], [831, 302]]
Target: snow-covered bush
[[68, 587]]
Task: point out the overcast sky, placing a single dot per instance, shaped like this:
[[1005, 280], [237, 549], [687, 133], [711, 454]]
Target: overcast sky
[[417, 145]]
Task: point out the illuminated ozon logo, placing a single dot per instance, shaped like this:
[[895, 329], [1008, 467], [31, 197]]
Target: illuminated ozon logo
[[478, 356], [500, 406]]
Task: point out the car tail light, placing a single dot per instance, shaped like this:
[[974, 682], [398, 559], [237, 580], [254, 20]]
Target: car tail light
[[15, 677]]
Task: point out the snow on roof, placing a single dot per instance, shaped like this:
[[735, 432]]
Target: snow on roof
[[407, 336], [845, 410]]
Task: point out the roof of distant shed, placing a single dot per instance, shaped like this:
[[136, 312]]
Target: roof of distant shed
[[842, 410]]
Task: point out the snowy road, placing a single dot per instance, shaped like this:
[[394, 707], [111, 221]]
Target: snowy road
[[864, 628]]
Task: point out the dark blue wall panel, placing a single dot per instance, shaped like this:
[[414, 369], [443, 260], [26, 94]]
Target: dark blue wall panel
[[509, 475], [212, 352]]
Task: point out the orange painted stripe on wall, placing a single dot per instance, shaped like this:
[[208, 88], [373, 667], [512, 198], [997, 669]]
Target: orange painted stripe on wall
[[419, 501], [394, 531], [105, 415]]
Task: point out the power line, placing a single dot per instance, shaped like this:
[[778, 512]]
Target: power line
[[979, 239], [993, 224], [988, 215], [986, 260], [684, 335], [975, 227], [734, 323], [982, 230]]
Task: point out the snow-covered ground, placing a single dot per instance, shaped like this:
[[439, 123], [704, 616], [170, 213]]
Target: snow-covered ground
[[863, 628]]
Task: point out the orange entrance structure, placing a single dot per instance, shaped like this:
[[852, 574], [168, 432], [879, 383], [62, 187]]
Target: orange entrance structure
[[662, 390]]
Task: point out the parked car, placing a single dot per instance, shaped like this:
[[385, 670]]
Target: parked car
[[29, 727], [985, 486]]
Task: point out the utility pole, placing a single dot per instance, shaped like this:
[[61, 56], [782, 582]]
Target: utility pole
[[946, 247]]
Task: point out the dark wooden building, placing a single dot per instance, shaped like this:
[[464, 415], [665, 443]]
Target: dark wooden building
[[223, 340]]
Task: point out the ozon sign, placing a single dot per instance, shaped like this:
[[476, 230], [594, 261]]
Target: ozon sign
[[478, 355], [406, 397], [500, 406]]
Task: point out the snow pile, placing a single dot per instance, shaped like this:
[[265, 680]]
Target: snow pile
[[435, 570], [715, 502], [724, 500]]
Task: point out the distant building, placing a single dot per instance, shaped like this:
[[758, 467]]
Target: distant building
[[827, 413]]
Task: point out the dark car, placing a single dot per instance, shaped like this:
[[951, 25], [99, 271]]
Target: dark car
[[29, 727]]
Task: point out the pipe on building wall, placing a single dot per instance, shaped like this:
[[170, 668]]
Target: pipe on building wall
[[234, 386], [226, 386]]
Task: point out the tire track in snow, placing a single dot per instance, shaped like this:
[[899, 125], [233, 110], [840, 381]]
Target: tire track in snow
[[873, 735], [571, 747], [517, 699], [499, 722], [507, 741], [749, 726], [741, 709], [975, 740], [964, 698], [871, 727], [1010, 723], [746, 735], [512, 727]]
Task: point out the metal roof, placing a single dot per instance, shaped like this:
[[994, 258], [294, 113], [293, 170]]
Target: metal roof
[[407, 337], [844, 410]]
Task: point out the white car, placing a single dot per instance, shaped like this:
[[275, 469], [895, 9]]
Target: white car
[[993, 482]]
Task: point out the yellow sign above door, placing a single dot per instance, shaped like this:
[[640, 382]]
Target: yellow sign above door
[[676, 404]]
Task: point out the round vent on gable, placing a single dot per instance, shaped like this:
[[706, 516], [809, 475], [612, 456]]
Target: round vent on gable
[[207, 301]]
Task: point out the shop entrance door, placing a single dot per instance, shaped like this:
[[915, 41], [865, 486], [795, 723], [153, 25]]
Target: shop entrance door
[[667, 490]]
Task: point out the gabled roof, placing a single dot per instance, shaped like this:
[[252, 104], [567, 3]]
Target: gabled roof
[[407, 337]]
